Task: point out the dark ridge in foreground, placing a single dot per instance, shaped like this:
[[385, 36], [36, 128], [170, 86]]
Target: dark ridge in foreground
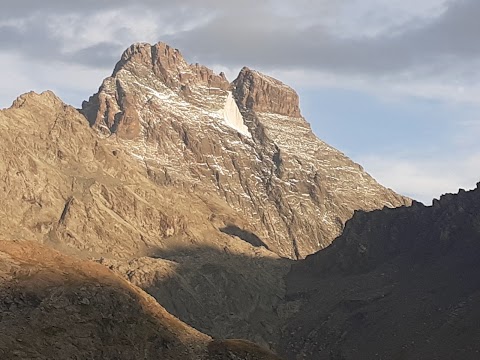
[[397, 284]]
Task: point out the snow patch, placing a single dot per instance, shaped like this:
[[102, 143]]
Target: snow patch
[[232, 116]]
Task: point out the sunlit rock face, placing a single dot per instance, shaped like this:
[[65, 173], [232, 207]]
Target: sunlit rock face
[[245, 141], [50, 301], [65, 187], [264, 94]]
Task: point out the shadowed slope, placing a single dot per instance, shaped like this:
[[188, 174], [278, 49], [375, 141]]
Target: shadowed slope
[[65, 187], [57, 307], [397, 284]]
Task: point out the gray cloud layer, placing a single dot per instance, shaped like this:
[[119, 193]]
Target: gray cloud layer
[[450, 37], [257, 33]]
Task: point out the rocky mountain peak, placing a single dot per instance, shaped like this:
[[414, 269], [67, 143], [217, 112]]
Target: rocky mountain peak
[[367, 242], [148, 74], [246, 142], [262, 93], [169, 65], [46, 97]]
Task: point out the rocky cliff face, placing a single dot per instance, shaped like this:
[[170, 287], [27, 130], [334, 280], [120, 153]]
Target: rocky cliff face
[[257, 154], [263, 94], [65, 187], [141, 68], [398, 283]]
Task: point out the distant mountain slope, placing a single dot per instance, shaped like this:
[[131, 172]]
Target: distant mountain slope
[[397, 284], [181, 122]]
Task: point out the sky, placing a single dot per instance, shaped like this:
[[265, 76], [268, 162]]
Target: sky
[[394, 84]]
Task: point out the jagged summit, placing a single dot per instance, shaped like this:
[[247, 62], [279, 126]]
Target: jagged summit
[[252, 90], [262, 93], [169, 65], [33, 98]]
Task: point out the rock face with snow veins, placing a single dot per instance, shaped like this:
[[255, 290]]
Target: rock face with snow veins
[[258, 154]]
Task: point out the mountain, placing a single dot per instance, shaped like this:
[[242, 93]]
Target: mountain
[[199, 191], [397, 284], [68, 189], [246, 142], [57, 307]]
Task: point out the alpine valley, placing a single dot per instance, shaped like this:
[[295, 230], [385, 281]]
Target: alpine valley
[[178, 215]]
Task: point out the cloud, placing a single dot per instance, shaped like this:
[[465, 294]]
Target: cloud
[[427, 174], [18, 81], [395, 48], [451, 85], [347, 38], [424, 178], [72, 81], [347, 35], [267, 41]]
